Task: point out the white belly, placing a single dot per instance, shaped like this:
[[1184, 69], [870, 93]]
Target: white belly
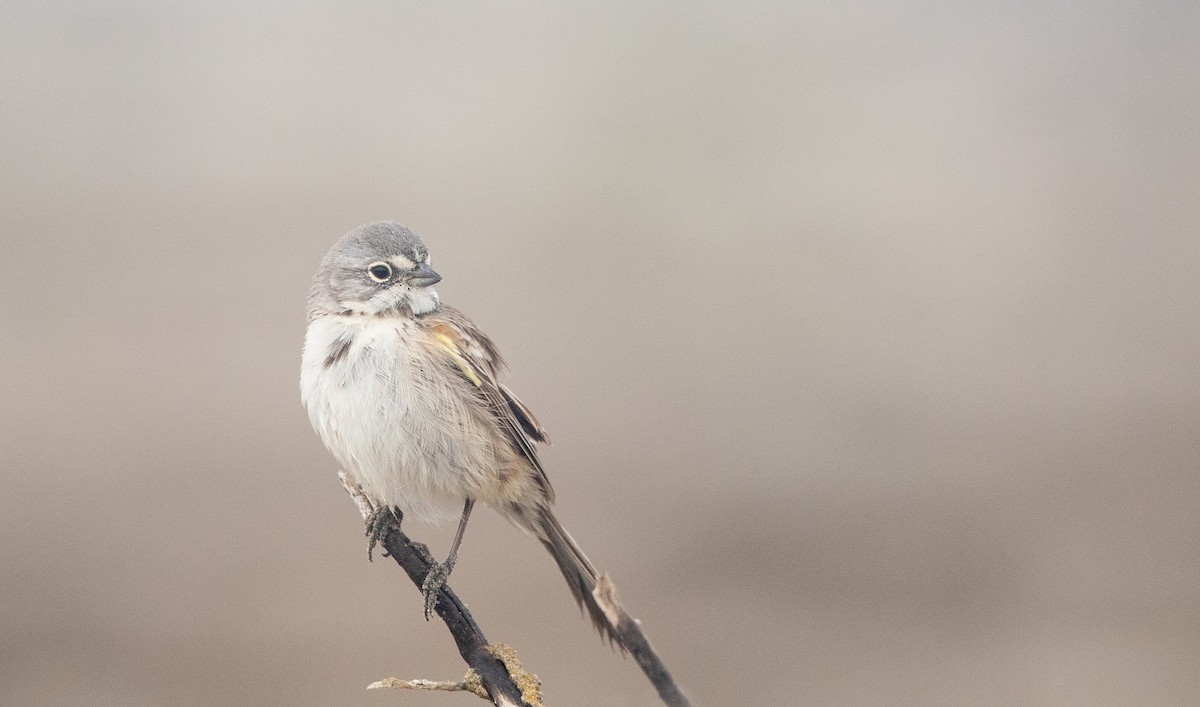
[[392, 416]]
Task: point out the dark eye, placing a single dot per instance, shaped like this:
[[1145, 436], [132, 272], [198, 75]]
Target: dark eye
[[379, 272]]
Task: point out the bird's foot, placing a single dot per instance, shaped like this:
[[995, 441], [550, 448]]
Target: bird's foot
[[438, 574], [380, 522]]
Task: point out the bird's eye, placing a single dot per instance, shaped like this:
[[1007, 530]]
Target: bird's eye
[[379, 272]]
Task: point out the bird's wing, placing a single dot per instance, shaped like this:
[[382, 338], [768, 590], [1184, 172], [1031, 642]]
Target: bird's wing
[[478, 360]]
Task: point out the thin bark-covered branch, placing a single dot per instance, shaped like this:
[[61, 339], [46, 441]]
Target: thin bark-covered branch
[[628, 632], [488, 661], [496, 666]]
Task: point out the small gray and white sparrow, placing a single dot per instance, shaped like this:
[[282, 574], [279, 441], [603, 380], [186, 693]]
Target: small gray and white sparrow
[[405, 392]]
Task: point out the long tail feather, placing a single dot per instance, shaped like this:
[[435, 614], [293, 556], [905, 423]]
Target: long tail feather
[[577, 569]]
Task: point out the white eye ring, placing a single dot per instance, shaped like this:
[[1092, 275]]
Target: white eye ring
[[379, 271]]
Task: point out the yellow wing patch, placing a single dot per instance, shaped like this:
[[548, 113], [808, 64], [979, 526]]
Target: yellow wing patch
[[451, 348]]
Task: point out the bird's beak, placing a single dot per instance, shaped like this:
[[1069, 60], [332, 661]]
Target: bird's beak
[[424, 276]]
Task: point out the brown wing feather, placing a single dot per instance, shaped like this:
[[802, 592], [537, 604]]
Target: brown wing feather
[[524, 415], [480, 363]]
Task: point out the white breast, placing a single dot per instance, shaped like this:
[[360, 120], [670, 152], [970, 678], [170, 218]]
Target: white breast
[[391, 415]]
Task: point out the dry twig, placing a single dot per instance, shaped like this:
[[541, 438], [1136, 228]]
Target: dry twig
[[495, 671], [628, 631], [491, 664]]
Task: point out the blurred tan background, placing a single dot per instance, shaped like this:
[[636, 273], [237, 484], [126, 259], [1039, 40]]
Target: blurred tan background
[[867, 337]]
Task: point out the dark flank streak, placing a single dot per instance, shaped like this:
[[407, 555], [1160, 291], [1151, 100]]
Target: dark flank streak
[[338, 350]]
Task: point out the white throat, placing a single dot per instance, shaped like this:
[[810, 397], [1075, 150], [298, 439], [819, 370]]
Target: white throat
[[423, 300]]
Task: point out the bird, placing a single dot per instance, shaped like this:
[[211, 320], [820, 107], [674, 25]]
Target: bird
[[406, 393]]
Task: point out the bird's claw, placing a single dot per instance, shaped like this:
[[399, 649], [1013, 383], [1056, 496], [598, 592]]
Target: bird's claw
[[380, 522], [436, 578]]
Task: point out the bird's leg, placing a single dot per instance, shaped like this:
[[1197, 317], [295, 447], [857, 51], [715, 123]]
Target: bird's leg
[[439, 573], [380, 522]]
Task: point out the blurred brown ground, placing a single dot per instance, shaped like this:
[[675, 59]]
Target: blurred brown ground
[[867, 337]]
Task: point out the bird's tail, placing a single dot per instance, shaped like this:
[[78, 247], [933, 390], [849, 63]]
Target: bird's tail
[[576, 568]]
